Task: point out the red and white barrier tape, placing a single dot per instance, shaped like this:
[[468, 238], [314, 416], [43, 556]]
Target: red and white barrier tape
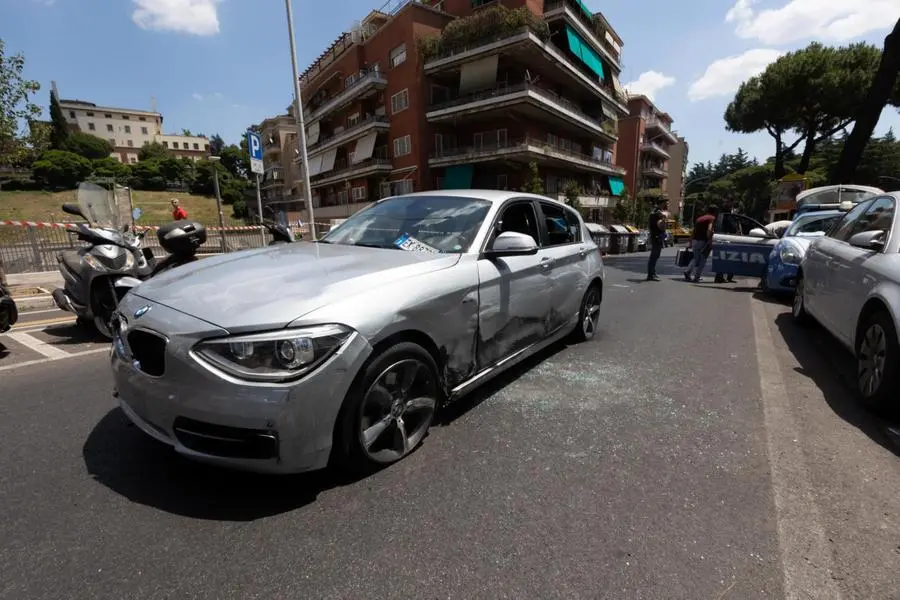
[[45, 225]]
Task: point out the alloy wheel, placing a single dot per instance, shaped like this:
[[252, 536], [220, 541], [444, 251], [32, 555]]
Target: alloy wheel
[[397, 410], [590, 315], [871, 360]]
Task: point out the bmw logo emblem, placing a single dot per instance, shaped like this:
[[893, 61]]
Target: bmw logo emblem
[[141, 312]]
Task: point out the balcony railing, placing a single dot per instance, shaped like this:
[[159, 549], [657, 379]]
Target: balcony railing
[[657, 123], [589, 22], [348, 132], [500, 92], [522, 144], [343, 166], [366, 77], [654, 147], [655, 170]]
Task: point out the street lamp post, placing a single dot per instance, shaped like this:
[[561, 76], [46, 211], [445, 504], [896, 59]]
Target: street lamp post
[[307, 192], [215, 161]]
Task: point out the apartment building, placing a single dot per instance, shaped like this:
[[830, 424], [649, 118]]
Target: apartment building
[[645, 149], [128, 129], [465, 93], [678, 160], [281, 186]]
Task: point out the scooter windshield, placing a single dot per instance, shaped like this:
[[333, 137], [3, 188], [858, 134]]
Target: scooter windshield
[[98, 205]]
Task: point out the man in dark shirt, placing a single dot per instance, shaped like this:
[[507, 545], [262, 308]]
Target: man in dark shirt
[[657, 227], [701, 243]]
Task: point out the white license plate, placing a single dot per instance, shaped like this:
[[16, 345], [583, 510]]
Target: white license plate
[[411, 244]]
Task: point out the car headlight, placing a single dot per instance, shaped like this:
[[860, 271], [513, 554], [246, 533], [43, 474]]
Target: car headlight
[[790, 254], [274, 356]]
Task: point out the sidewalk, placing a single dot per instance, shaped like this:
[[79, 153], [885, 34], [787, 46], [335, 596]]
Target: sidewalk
[[31, 291]]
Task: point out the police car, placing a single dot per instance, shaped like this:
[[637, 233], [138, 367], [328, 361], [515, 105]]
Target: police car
[[744, 245]]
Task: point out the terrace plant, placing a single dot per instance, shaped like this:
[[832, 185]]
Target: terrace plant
[[492, 23]]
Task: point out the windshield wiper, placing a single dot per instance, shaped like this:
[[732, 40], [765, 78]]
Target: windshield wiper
[[371, 245]]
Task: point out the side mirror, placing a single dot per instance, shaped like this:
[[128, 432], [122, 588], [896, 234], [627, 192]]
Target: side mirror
[[870, 240], [73, 209], [758, 232], [512, 243]]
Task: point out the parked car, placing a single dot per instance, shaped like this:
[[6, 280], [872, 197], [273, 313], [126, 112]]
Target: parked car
[[788, 253], [849, 281], [281, 358], [744, 251], [643, 240]]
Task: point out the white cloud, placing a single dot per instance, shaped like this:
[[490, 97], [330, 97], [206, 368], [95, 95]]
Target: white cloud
[[724, 76], [196, 17], [649, 83], [826, 20], [197, 97]]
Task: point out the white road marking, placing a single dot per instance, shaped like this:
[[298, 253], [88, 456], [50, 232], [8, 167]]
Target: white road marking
[[805, 558], [41, 347], [39, 361]]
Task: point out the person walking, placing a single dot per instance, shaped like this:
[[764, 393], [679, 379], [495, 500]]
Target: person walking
[[178, 212], [701, 243], [657, 228]]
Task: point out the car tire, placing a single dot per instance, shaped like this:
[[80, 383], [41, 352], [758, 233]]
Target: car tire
[[588, 315], [878, 350], [798, 307], [374, 400]]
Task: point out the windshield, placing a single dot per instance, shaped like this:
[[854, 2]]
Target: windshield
[[835, 196], [812, 224], [440, 223], [98, 205]]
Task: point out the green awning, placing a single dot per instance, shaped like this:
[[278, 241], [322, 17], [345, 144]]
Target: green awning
[[616, 185], [585, 10], [582, 50], [458, 177]]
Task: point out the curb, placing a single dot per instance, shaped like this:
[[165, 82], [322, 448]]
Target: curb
[[30, 303]]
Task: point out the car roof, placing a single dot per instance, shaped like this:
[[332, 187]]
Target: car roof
[[493, 196]]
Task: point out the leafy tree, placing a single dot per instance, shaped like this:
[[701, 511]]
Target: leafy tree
[[153, 150], [620, 211], [237, 160], [87, 145], [203, 181], [15, 103], [110, 167], [173, 168], [884, 88], [59, 132], [216, 145], [813, 92], [239, 209], [61, 169], [534, 184], [146, 175], [572, 193], [186, 132]]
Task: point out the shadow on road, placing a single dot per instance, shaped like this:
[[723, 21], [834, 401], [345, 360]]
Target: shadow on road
[[121, 457], [127, 461], [73, 334], [831, 367]]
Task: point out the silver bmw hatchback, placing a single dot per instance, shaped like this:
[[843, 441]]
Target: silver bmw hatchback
[[288, 358]]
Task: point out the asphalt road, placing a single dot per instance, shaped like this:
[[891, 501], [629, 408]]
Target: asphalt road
[[702, 447]]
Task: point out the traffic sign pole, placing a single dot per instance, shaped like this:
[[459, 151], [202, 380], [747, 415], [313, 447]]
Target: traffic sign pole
[[254, 147], [262, 228], [301, 125]]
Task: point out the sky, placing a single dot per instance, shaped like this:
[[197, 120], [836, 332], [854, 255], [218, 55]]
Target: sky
[[218, 66]]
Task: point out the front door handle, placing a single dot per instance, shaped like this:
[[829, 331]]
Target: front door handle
[[582, 253], [546, 262]]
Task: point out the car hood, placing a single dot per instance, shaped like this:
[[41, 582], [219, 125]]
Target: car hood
[[801, 242], [270, 287]]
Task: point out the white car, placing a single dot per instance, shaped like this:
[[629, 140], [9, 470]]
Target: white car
[[849, 281]]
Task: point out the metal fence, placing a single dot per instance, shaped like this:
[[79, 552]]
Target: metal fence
[[34, 248]]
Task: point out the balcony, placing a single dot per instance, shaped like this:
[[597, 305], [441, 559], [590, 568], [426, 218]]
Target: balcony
[[600, 201], [586, 26], [656, 127], [535, 102], [343, 169], [539, 57], [654, 171], [376, 122], [525, 149], [366, 84], [654, 148]]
